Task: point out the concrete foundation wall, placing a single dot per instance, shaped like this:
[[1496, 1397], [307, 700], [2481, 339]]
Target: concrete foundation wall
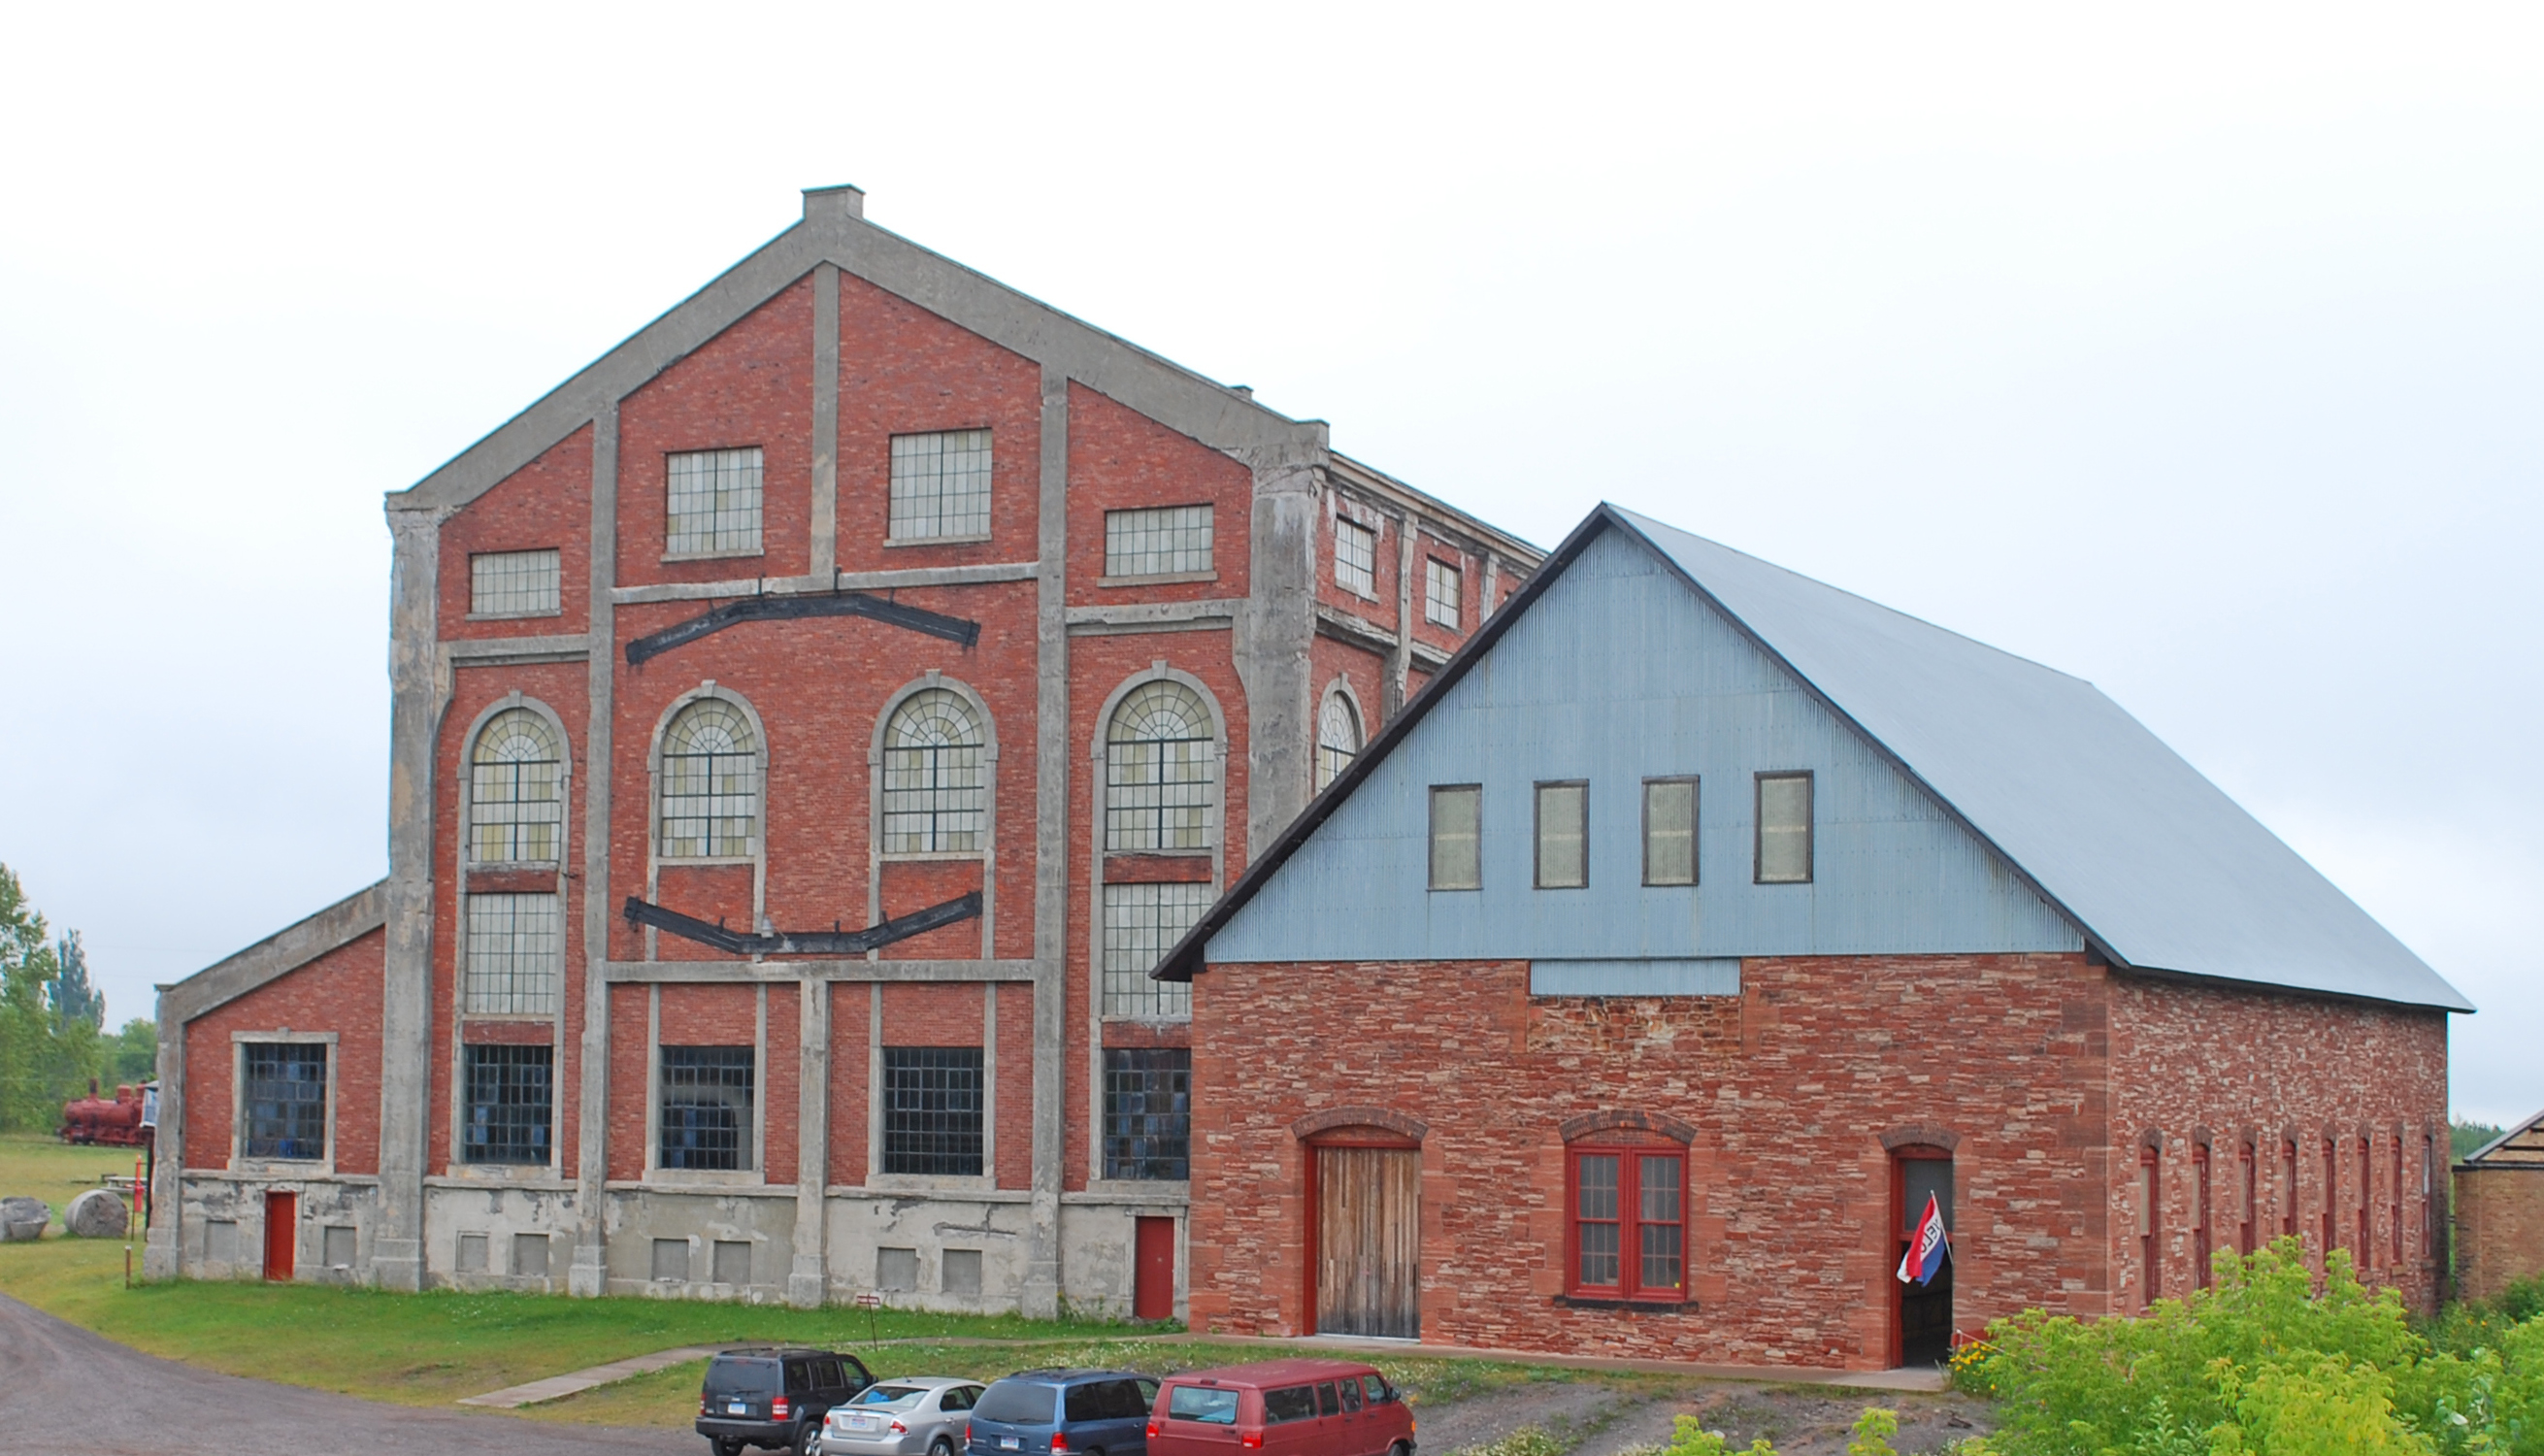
[[224, 1223]]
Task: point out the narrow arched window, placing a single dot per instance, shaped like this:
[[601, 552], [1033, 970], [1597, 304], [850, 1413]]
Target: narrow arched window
[[933, 786], [710, 806], [1158, 769], [1337, 739], [516, 790]]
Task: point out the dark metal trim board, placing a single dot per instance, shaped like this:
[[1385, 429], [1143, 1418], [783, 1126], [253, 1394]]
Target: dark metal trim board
[[789, 607], [806, 942]]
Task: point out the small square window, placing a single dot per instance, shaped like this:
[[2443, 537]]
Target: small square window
[[731, 1261], [962, 1277], [335, 1245], [713, 503], [1784, 829], [671, 1259], [513, 584], [1457, 844], [472, 1253], [1171, 540], [1355, 557], [1669, 830], [940, 485], [1562, 835], [1440, 587], [897, 1269], [531, 1256]]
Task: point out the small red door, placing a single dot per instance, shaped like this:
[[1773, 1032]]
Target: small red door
[[282, 1233], [1153, 1283]]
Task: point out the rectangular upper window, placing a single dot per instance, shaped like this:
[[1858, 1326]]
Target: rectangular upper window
[[516, 955], [713, 503], [932, 1106], [283, 1098], [1563, 835], [513, 584], [1148, 1112], [1629, 1224], [1669, 830], [510, 1100], [1355, 557], [1784, 829], [706, 1112], [1169, 541], [940, 485], [1456, 841], [1440, 592], [1141, 923]]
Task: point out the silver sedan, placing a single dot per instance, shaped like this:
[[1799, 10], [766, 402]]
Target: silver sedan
[[923, 1417]]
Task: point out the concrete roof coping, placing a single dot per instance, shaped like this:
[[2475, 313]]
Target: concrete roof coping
[[827, 203], [286, 950]]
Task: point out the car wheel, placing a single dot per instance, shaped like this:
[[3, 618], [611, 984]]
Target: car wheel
[[724, 1445], [807, 1442], [1399, 1449], [941, 1448]]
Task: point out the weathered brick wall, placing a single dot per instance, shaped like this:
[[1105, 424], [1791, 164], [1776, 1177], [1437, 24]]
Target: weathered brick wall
[[339, 992], [2193, 1061], [2500, 1227], [1790, 1089], [547, 504]]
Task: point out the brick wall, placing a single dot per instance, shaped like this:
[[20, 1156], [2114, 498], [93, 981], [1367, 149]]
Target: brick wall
[[547, 504], [337, 992], [2500, 1227]]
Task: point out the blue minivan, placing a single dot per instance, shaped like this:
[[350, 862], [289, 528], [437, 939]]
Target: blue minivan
[[1064, 1412]]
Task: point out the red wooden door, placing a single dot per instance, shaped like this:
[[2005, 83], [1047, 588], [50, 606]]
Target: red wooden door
[[281, 1233], [1153, 1279]]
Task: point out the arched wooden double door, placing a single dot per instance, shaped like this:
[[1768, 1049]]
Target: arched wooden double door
[[1364, 1196]]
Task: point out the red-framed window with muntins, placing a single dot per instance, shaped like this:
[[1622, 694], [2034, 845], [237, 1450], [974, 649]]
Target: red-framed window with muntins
[[1626, 1224]]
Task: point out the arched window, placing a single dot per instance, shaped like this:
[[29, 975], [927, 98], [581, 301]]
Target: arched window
[[1158, 768], [933, 786], [516, 789], [1337, 739], [710, 782]]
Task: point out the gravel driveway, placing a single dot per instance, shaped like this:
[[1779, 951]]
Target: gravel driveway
[[65, 1392]]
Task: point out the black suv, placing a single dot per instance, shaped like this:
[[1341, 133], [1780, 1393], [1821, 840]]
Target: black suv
[[774, 1396]]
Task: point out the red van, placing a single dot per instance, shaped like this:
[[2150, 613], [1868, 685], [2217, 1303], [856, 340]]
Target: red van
[[1281, 1407]]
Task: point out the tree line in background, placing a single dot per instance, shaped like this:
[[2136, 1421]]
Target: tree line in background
[[52, 1022]]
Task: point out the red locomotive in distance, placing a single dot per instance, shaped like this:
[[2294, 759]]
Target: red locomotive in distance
[[97, 1122]]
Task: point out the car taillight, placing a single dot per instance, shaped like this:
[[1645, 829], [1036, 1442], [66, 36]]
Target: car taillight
[[1252, 1440], [703, 1405], [1154, 1430], [967, 1438], [899, 1429], [779, 1408], [1059, 1440]]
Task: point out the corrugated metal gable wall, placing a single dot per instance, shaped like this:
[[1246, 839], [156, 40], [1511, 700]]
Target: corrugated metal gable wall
[[1620, 672]]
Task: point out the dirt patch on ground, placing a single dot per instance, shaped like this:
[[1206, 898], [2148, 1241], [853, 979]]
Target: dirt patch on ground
[[1604, 1419]]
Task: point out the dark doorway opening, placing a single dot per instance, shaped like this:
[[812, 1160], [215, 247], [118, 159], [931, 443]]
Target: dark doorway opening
[[1153, 1275], [1366, 1239], [281, 1233], [1923, 1329]]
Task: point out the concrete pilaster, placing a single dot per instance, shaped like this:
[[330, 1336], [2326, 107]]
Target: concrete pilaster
[[163, 1242], [414, 708], [825, 419], [807, 1278], [1051, 851], [1274, 632], [588, 1276]]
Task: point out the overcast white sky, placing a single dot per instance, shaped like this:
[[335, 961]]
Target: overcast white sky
[[2197, 353]]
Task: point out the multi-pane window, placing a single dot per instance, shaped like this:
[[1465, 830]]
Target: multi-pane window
[[1355, 557], [1337, 738], [935, 787], [1148, 1112], [1629, 1224], [513, 584], [1562, 835], [283, 1099], [706, 1108], [940, 485], [516, 955], [1784, 829], [710, 783], [1669, 830], [1440, 592], [510, 1097], [932, 1105], [1160, 762], [713, 503], [1456, 841], [1141, 923], [515, 789], [1168, 540]]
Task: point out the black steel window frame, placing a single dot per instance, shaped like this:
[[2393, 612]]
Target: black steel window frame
[[1581, 834], [935, 1106], [1148, 1112], [1476, 850], [512, 1101], [283, 1091], [706, 1118], [1695, 816], [1810, 825]]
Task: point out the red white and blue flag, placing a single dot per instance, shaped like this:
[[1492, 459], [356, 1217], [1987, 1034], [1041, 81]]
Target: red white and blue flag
[[1927, 1247]]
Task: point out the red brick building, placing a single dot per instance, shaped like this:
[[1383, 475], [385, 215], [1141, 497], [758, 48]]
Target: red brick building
[[2499, 1212], [812, 720], [1638, 987]]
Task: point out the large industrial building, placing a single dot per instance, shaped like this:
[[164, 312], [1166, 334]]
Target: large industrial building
[[811, 722]]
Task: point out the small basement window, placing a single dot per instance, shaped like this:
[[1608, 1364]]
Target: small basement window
[[1784, 829], [1629, 1224], [513, 584], [1563, 835], [1669, 830], [1456, 847]]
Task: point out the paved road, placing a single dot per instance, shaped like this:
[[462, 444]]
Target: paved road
[[65, 1392]]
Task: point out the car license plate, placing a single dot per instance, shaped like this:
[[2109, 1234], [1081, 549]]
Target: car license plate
[[735, 1407], [862, 1422], [1009, 1444]]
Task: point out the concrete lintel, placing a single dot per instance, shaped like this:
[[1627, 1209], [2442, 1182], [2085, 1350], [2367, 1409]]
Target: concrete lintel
[[1135, 629], [780, 972], [1217, 610], [1359, 632], [844, 580], [561, 647]]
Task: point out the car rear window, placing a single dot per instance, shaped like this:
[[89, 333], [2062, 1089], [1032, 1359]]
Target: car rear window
[[891, 1395], [1290, 1403], [742, 1377], [1016, 1403], [1200, 1403]]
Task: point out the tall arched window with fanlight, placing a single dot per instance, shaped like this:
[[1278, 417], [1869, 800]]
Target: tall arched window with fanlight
[[1160, 767], [934, 783], [515, 789], [710, 783], [1337, 738]]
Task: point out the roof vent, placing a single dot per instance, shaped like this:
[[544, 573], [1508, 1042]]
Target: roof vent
[[834, 203], [1245, 389]]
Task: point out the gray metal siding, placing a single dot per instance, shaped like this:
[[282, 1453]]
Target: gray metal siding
[[1618, 674]]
